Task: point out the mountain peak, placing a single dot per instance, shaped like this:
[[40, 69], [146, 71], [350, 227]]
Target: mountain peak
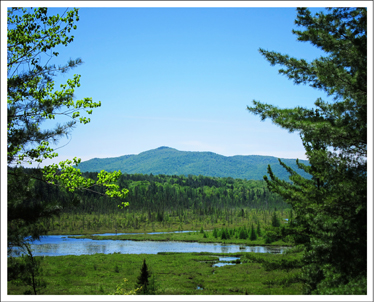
[[163, 147], [170, 161]]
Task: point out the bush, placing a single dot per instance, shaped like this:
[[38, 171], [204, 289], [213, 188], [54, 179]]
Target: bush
[[357, 286], [121, 290], [271, 236]]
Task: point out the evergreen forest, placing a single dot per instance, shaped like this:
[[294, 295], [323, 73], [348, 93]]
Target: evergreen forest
[[163, 202]]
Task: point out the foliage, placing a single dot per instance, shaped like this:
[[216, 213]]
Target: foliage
[[121, 289], [162, 195], [259, 232], [27, 210], [243, 234], [253, 234], [275, 220], [32, 101], [31, 96], [330, 207], [225, 234], [271, 236], [27, 271]]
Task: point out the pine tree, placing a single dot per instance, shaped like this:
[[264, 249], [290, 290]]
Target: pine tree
[[253, 234], [243, 234], [143, 280], [331, 207], [224, 234], [228, 236], [275, 220], [259, 232]]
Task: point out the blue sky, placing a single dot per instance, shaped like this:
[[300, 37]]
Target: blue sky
[[183, 77]]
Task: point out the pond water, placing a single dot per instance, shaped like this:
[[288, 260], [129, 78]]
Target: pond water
[[219, 264], [61, 245]]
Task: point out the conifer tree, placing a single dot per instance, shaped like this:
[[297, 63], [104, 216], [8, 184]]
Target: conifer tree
[[253, 234], [330, 207], [259, 232], [243, 234], [143, 280], [275, 220]]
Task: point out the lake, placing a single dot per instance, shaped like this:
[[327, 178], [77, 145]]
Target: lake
[[61, 245]]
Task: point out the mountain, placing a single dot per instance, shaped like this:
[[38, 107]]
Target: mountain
[[169, 161]]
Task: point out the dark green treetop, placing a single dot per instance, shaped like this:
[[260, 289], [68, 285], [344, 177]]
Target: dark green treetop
[[253, 235], [275, 222], [143, 281], [330, 207]]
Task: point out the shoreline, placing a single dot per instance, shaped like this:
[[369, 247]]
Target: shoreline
[[193, 236]]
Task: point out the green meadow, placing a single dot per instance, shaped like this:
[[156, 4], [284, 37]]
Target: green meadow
[[172, 274]]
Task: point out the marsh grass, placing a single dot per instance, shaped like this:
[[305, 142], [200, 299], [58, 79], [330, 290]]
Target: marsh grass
[[175, 274], [122, 222], [205, 237]]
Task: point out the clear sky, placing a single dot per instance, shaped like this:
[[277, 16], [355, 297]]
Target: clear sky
[[183, 77]]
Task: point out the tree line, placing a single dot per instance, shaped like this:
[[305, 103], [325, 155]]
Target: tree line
[[160, 193]]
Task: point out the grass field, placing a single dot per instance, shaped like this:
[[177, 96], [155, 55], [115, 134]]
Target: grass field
[[174, 274]]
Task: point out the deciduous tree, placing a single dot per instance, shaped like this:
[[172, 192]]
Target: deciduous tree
[[32, 99]]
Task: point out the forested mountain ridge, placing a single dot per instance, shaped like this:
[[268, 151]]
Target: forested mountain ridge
[[169, 161]]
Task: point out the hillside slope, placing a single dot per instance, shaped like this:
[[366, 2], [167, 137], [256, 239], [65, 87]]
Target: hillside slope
[[169, 161]]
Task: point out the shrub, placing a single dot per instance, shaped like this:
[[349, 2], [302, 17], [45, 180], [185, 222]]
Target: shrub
[[271, 236]]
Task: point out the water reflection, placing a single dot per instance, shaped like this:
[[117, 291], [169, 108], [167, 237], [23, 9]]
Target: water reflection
[[219, 264], [228, 258]]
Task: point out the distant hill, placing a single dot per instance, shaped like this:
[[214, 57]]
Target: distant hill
[[169, 161]]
